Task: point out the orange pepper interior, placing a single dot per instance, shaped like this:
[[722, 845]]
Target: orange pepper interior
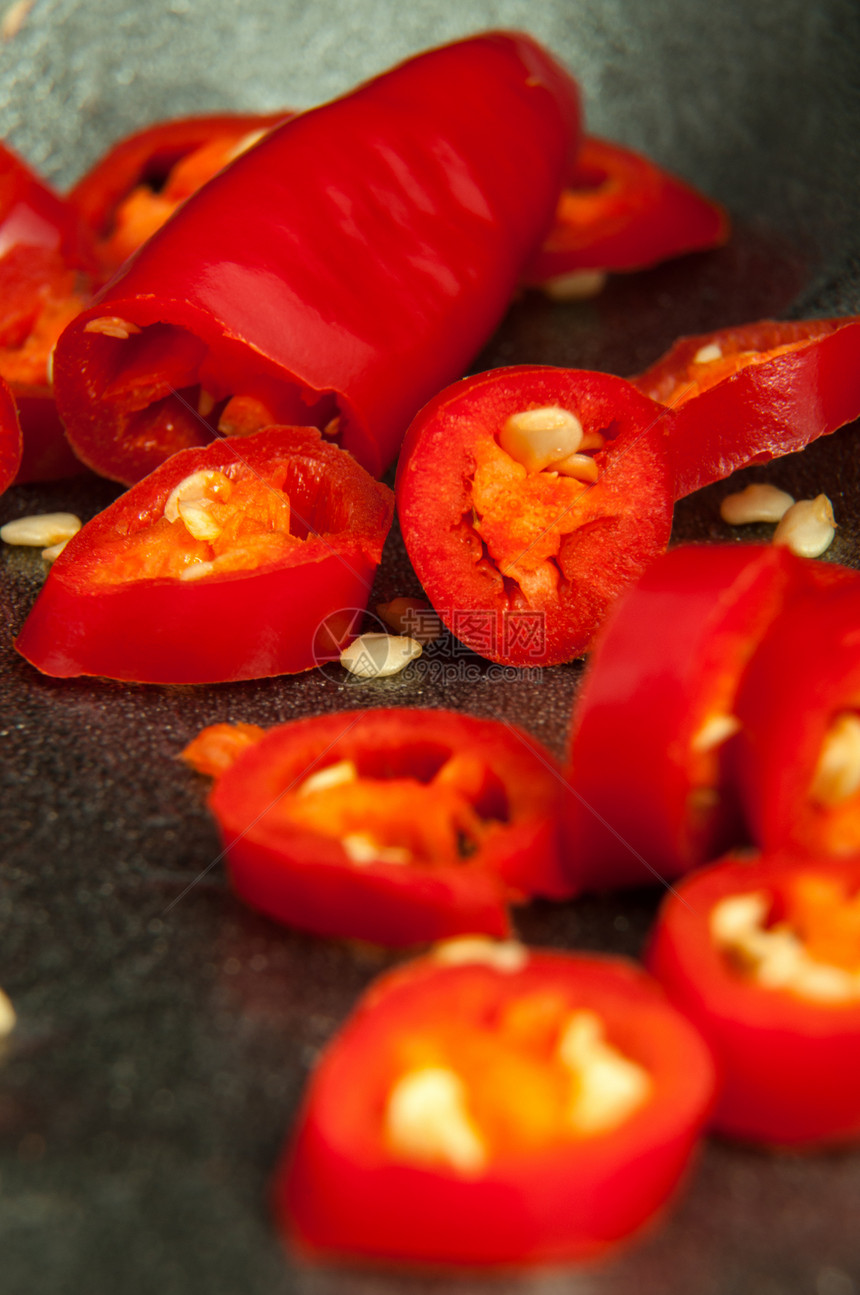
[[824, 912], [40, 296], [696, 377]]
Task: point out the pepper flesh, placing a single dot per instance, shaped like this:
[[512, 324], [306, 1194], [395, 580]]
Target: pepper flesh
[[10, 438], [754, 393], [494, 1168], [522, 566], [436, 824], [363, 290], [788, 1061]]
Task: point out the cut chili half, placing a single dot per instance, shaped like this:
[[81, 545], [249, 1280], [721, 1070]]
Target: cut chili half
[[798, 757], [763, 956], [529, 497], [620, 211], [393, 826], [335, 275], [141, 180], [223, 564], [652, 794], [495, 1106], [44, 283], [752, 393]]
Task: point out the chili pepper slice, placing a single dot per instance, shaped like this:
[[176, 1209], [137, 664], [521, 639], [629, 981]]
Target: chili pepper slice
[[44, 259], [520, 541], [798, 759], [752, 393], [651, 794], [620, 211], [763, 956], [10, 438], [223, 564], [389, 230], [142, 179], [495, 1106], [394, 826]]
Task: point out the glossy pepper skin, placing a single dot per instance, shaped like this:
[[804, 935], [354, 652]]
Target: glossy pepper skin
[[137, 184], [620, 211], [503, 845], [389, 230], [755, 392], [650, 794], [103, 612], [787, 1065], [343, 1191], [574, 555], [786, 723], [45, 260], [10, 438]]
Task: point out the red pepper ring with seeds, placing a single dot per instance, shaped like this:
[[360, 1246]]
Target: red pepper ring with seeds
[[141, 180], [495, 1106], [223, 564], [394, 826], [763, 956], [529, 497], [752, 393], [620, 211]]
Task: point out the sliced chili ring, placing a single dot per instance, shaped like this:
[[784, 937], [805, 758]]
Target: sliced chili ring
[[521, 560], [394, 826]]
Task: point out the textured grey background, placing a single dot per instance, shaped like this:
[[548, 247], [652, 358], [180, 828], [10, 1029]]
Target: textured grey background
[[162, 1050]]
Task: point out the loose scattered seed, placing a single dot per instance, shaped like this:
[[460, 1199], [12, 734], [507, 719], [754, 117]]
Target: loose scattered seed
[[376, 656], [41, 531], [53, 551], [808, 527], [579, 285], [501, 955], [759, 502], [7, 1015]]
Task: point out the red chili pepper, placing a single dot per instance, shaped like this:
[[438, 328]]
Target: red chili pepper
[[10, 438], [763, 956], [750, 394], [620, 211], [650, 794], [511, 1108], [223, 564], [142, 179], [395, 826], [520, 560], [388, 232], [798, 759], [44, 256]]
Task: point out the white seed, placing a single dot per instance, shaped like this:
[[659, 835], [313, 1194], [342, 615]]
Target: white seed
[[837, 774], [759, 502], [715, 730], [205, 403], [426, 1120], [578, 285], [332, 427], [53, 551], [7, 1015], [538, 438], [334, 775], [41, 530], [708, 353], [198, 520], [200, 488], [112, 326], [608, 1087], [733, 918], [49, 366], [376, 656], [580, 466], [592, 441], [808, 527], [502, 955], [197, 570], [362, 847]]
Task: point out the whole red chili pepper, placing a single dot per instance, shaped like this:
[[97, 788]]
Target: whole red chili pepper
[[131, 191], [336, 274], [228, 562], [529, 497], [752, 393]]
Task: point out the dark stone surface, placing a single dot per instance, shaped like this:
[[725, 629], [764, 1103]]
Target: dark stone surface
[[165, 1033]]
